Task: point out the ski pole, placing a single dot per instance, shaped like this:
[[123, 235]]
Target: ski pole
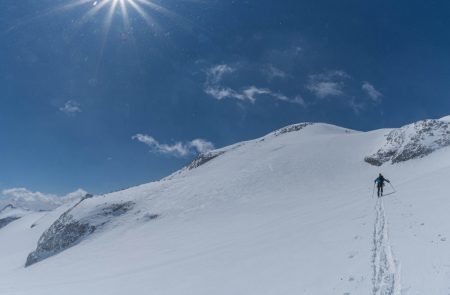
[[393, 187], [373, 190]]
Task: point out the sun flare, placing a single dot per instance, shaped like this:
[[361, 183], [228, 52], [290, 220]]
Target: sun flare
[[123, 7]]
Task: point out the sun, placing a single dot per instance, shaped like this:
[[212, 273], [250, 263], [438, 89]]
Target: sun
[[109, 10], [123, 7], [129, 11]]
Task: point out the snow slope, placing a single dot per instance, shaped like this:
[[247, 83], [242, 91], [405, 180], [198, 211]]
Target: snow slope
[[290, 213]]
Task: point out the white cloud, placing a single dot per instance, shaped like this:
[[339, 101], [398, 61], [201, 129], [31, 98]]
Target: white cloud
[[201, 145], [273, 73], [298, 100], [26, 199], [71, 107], [251, 92], [327, 84], [178, 149], [216, 73], [356, 106], [215, 89], [220, 93], [25, 194], [78, 194], [373, 93], [325, 89], [298, 50]]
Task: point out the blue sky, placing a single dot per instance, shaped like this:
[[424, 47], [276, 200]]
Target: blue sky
[[98, 105]]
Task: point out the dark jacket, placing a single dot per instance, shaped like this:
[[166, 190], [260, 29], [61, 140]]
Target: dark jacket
[[380, 181]]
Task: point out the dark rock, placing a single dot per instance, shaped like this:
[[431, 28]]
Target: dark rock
[[117, 209], [411, 142], [203, 159], [5, 221], [69, 231], [149, 216], [87, 196], [9, 206], [292, 128], [59, 237]]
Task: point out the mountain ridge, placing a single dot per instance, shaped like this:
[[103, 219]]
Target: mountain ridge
[[297, 199]]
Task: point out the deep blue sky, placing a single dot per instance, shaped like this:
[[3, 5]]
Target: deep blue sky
[[72, 99]]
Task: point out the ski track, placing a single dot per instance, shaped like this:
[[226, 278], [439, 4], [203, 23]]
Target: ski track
[[386, 270]]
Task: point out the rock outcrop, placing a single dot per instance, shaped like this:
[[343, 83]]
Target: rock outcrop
[[75, 225], [412, 141]]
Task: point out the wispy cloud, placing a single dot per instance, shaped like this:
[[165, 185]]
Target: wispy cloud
[[295, 100], [373, 93], [325, 89], [71, 108], [220, 93], [25, 198], [330, 83], [216, 73], [215, 89], [356, 106], [178, 149], [201, 145], [251, 94], [274, 73], [26, 194]]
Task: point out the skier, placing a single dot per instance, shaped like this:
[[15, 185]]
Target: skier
[[380, 183]]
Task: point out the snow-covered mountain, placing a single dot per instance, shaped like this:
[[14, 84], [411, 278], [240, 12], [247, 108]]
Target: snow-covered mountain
[[9, 213], [292, 212]]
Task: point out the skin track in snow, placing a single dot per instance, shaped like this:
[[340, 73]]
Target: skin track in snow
[[386, 270]]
